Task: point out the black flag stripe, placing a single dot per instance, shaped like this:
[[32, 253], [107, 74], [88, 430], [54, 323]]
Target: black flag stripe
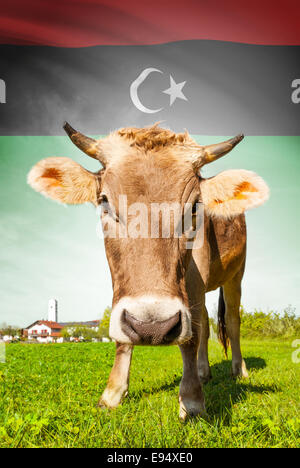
[[229, 87]]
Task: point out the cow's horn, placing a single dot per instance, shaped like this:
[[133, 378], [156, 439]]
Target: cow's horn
[[88, 145], [211, 153]]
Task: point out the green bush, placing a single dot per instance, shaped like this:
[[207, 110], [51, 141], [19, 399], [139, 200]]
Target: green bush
[[266, 324], [103, 330], [270, 324]]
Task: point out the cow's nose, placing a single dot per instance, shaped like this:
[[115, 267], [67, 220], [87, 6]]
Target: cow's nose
[[152, 332]]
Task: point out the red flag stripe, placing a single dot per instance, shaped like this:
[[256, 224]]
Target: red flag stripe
[[82, 23]]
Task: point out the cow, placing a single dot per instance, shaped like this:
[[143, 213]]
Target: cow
[[159, 282]]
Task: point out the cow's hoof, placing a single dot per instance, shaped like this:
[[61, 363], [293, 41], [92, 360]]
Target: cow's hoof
[[111, 398], [104, 404], [190, 408], [239, 370]]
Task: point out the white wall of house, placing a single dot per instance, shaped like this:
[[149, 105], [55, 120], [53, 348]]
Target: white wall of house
[[38, 329], [39, 333]]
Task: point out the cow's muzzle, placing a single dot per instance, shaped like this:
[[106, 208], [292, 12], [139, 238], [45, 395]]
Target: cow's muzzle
[[151, 332], [150, 320]]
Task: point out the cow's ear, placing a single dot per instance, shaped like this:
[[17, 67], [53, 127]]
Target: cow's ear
[[64, 180], [230, 193]]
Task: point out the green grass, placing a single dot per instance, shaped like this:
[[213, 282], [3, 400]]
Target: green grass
[[49, 395]]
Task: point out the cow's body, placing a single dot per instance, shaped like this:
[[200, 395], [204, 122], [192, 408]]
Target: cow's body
[[219, 263], [159, 283]]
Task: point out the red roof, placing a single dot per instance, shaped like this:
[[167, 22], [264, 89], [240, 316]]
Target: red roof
[[50, 324], [47, 323]]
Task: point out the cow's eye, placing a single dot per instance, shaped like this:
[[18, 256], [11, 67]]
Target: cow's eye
[[105, 209], [103, 198]]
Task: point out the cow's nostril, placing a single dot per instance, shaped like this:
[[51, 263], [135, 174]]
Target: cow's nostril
[[175, 331], [127, 325]]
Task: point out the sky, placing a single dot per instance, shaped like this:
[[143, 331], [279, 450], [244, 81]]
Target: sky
[[51, 250]]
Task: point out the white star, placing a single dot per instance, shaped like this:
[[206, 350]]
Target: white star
[[175, 91]]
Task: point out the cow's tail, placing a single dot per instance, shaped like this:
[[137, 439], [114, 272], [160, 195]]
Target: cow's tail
[[222, 334]]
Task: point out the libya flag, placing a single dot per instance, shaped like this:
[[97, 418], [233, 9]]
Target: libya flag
[[214, 68]]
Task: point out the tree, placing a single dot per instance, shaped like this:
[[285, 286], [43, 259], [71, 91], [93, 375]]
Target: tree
[[84, 333], [88, 334], [65, 334], [103, 330], [9, 330]]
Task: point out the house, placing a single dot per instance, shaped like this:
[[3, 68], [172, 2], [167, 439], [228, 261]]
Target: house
[[50, 331], [44, 331]]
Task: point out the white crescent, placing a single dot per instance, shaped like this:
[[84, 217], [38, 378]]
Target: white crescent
[[134, 91]]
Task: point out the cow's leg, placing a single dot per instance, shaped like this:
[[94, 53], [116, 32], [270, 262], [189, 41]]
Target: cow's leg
[[203, 363], [232, 298], [191, 398], [118, 381]]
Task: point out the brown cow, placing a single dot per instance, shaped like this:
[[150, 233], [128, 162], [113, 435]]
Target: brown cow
[[159, 283]]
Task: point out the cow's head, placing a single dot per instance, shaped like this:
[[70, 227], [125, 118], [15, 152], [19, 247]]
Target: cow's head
[[151, 166]]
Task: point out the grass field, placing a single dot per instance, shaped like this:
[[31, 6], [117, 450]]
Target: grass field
[[49, 394]]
